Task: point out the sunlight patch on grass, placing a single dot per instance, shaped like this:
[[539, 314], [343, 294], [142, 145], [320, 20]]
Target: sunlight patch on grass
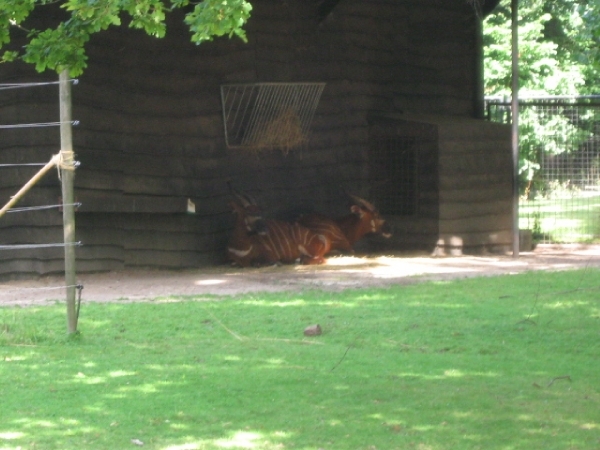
[[429, 304], [15, 358], [565, 304], [446, 374], [189, 446], [589, 426], [448, 305], [84, 379], [425, 428], [238, 440], [248, 440], [427, 366], [11, 435], [561, 223], [145, 388], [570, 220], [121, 373], [295, 302], [38, 423], [374, 297], [156, 367], [99, 323], [241, 439], [275, 361], [453, 373], [525, 417], [462, 414]]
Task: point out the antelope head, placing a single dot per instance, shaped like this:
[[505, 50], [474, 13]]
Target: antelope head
[[248, 212], [369, 215]]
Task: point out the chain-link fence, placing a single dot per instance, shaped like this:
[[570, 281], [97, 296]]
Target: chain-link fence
[[559, 146]]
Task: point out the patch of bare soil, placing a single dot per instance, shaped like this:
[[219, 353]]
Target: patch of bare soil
[[338, 274]]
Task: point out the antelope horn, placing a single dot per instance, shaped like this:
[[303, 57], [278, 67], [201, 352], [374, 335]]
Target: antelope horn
[[362, 202], [244, 199]]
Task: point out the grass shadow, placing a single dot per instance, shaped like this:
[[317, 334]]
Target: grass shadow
[[477, 363]]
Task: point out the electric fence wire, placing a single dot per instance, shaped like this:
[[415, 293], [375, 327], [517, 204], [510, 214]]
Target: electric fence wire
[[43, 207], [23, 165], [31, 246], [79, 288], [5, 86], [3, 166], [44, 288], [37, 125]]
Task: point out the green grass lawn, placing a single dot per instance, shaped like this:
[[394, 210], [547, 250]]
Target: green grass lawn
[[508, 362], [563, 220]]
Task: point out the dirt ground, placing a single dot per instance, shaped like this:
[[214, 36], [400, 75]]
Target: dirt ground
[[338, 274]]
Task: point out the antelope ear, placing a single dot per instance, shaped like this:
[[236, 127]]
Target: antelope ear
[[355, 209]]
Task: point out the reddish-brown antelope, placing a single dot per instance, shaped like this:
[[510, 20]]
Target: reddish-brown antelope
[[244, 248], [345, 231], [256, 241], [290, 242]]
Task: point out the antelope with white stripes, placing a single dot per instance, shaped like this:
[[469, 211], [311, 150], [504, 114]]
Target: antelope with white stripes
[[244, 248], [345, 231], [256, 241]]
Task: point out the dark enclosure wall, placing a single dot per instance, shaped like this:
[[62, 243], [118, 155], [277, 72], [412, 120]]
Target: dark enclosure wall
[[151, 137]]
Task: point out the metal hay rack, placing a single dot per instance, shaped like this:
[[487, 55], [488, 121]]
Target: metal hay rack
[[269, 115]]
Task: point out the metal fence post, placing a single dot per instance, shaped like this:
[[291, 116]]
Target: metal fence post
[[515, 122]]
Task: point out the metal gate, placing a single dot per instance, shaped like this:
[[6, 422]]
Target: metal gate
[[559, 183]]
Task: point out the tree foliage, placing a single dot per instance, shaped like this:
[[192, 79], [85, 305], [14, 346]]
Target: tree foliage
[[558, 55], [559, 49], [63, 47]]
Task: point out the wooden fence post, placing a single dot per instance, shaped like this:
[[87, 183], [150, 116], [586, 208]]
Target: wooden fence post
[[67, 171]]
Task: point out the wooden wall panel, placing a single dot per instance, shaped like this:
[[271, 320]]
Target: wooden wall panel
[[151, 134]]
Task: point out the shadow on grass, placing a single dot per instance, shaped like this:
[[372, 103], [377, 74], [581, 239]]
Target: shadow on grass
[[495, 363]]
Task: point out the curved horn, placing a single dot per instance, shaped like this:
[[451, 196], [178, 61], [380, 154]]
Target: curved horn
[[362, 202], [244, 199]]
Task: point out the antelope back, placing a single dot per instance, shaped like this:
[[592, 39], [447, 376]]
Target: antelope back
[[328, 227], [289, 242], [256, 241]]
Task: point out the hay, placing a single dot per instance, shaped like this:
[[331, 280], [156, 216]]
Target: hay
[[283, 132]]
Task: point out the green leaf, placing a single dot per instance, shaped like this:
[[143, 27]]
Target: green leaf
[[64, 46], [9, 56], [218, 18]]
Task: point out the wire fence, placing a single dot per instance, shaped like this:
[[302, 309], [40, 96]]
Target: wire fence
[[56, 161], [559, 182], [394, 174]]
